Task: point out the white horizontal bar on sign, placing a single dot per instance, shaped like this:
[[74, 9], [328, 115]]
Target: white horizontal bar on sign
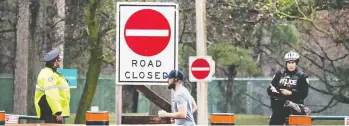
[[146, 32], [200, 68]]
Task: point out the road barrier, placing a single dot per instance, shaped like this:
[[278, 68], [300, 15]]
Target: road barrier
[[97, 118], [222, 119]]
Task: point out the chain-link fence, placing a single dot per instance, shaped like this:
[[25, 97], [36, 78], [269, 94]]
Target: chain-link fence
[[249, 96]]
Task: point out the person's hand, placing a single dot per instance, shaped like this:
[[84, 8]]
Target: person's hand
[[172, 121], [59, 118], [273, 89], [162, 113], [286, 92]]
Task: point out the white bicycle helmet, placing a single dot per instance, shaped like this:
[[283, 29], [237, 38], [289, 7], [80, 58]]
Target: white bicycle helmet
[[292, 55]]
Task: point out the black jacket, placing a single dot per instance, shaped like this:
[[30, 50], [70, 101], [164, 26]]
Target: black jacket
[[295, 81]]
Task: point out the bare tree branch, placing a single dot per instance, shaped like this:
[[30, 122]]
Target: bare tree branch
[[346, 47], [109, 61], [323, 51], [318, 90], [248, 95], [275, 60], [54, 25], [7, 30], [2, 55], [81, 51], [315, 63], [191, 44], [104, 31], [340, 58], [326, 107], [183, 29], [110, 48]]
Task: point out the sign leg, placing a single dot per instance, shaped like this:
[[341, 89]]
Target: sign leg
[[118, 105], [201, 51]]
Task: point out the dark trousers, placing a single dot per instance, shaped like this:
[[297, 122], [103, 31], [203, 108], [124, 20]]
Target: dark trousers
[[51, 119], [46, 112], [280, 114]]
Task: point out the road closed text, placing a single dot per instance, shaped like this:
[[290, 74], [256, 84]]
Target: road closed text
[[145, 74]]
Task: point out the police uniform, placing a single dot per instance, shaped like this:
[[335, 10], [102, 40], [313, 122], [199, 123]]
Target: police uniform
[[294, 81], [52, 94]]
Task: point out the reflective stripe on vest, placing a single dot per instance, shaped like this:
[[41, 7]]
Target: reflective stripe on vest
[[63, 87], [46, 88]]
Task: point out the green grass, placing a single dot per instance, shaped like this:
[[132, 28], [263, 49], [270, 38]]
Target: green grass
[[241, 119], [112, 118], [328, 122]]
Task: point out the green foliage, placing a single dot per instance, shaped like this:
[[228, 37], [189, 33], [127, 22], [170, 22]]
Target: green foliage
[[286, 33], [290, 8], [184, 52], [225, 54], [284, 37]]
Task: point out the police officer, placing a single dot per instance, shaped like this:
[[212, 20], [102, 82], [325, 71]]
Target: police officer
[[184, 104], [52, 94], [288, 87]]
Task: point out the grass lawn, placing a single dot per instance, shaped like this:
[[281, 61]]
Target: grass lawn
[[241, 119]]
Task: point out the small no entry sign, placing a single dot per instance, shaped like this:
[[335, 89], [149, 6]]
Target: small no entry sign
[[201, 68]]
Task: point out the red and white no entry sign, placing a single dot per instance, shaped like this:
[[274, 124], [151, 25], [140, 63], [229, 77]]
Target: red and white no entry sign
[[200, 68], [147, 32], [147, 42]]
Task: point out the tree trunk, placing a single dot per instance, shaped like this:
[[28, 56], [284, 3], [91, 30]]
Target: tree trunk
[[34, 55], [59, 22], [229, 94], [163, 92], [135, 96], [94, 67], [21, 59]]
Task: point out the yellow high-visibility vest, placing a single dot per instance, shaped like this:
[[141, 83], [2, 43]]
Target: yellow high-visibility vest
[[52, 85], [64, 92]]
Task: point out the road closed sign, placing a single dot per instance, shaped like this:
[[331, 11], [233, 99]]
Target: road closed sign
[[146, 42]]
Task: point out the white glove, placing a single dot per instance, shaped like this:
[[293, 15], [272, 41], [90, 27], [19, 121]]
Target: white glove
[[273, 89], [162, 113]]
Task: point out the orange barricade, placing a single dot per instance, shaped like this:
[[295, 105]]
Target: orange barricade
[[222, 119], [2, 117], [97, 118], [299, 120]]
